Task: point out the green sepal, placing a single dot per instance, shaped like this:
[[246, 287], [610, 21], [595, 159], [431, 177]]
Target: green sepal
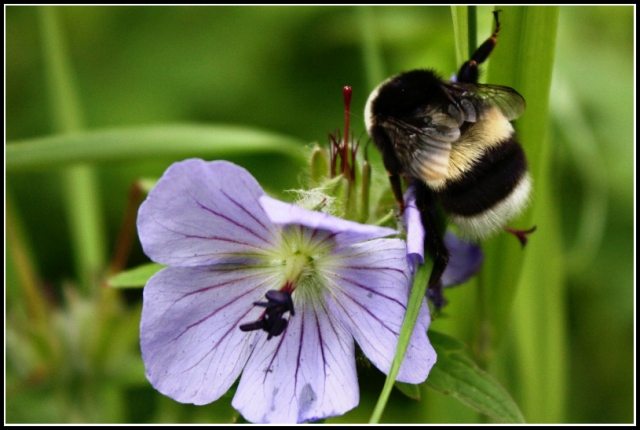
[[136, 277], [319, 166]]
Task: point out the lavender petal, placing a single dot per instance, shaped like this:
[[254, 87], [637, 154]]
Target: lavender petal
[[346, 232], [415, 230], [202, 213], [191, 345], [466, 259], [306, 374], [370, 287]]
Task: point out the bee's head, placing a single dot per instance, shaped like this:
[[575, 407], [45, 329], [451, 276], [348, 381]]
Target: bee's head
[[401, 95]]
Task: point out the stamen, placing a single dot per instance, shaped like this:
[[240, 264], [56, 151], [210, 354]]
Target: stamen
[[272, 321], [346, 95], [334, 149]]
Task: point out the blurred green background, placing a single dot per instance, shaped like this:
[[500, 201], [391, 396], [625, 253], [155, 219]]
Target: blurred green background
[[282, 69]]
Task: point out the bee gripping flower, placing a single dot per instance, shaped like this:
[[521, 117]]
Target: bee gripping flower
[[303, 285], [465, 258]]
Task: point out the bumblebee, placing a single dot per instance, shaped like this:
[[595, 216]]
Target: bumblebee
[[455, 141]]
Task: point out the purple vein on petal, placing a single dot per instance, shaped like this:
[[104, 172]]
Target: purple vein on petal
[[210, 287], [232, 327], [249, 291], [321, 342], [295, 378], [364, 287], [366, 310], [393, 269], [247, 229], [242, 208], [222, 239], [281, 339], [330, 320]]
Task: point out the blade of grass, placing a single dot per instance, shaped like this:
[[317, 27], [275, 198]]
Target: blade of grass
[[539, 320], [522, 60], [528, 286], [22, 279], [80, 181], [580, 141], [413, 308], [130, 144], [371, 53], [460, 16]]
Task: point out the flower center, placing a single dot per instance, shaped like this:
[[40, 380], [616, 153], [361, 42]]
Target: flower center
[[300, 248], [298, 266]]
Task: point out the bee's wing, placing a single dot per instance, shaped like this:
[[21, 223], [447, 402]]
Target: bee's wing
[[469, 101], [423, 142]]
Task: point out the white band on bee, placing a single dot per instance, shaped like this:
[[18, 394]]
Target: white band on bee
[[486, 223]]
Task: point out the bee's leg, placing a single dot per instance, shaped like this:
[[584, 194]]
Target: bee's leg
[[469, 70], [396, 186], [520, 234], [433, 243], [391, 163]]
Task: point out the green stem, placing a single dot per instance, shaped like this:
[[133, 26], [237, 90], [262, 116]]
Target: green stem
[[364, 191], [413, 309], [20, 254], [472, 34], [374, 68], [80, 181]]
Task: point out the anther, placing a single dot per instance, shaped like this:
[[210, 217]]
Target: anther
[[272, 320]]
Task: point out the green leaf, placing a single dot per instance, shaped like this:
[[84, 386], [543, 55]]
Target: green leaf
[[445, 341], [456, 375], [136, 277], [129, 144], [412, 391], [147, 184]]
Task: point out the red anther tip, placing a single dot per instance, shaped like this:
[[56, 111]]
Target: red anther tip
[[346, 95]]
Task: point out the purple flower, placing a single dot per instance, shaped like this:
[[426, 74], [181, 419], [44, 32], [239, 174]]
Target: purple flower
[[302, 284]]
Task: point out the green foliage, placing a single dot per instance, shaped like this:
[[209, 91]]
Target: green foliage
[[98, 97], [136, 277], [143, 143], [456, 375]]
